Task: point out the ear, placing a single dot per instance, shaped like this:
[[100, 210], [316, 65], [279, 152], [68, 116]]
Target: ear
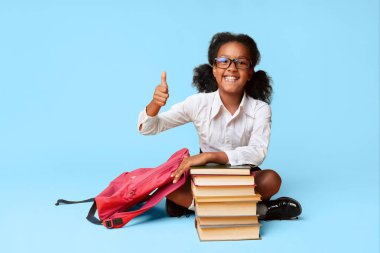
[[213, 70]]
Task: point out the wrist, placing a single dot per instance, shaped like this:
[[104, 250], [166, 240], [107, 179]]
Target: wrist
[[216, 157], [152, 109], [208, 157]]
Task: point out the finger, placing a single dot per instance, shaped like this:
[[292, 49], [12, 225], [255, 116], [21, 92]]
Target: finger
[[184, 164], [180, 172], [177, 174], [177, 171], [163, 79], [161, 94], [163, 89], [160, 98], [159, 103], [177, 177]]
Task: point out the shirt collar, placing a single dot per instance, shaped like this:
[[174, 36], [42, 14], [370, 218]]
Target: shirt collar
[[245, 105], [216, 104]]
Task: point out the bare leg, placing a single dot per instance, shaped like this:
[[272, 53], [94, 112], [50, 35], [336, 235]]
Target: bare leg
[[183, 195]]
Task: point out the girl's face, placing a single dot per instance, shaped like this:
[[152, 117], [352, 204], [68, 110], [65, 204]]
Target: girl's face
[[232, 80]]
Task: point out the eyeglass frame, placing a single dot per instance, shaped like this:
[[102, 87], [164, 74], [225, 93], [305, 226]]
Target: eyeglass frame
[[232, 60]]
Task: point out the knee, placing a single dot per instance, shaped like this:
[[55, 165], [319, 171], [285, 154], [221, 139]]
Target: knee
[[268, 183], [273, 177]]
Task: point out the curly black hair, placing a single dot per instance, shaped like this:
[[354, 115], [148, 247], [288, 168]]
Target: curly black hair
[[259, 87]]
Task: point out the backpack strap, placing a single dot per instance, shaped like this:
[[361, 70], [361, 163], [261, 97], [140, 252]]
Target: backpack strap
[[68, 202], [119, 219], [91, 214]]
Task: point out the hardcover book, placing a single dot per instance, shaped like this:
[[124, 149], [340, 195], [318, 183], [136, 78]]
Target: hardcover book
[[225, 209], [218, 169], [212, 180], [227, 233]]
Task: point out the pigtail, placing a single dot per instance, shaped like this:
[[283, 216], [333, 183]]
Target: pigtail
[[259, 87], [203, 79]]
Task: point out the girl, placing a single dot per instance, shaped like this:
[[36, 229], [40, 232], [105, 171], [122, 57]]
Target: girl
[[233, 119]]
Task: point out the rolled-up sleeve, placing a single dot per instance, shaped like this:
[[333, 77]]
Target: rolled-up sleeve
[[254, 153], [178, 114]]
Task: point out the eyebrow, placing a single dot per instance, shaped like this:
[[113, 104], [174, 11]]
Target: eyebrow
[[240, 57]]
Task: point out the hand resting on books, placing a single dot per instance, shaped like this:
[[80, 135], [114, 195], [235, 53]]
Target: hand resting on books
[[200, 159]]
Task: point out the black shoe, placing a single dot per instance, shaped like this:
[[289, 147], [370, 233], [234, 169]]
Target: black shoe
[[174, 210], [283, 208]]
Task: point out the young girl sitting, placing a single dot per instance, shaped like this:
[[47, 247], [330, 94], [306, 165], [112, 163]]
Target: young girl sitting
[[232, 116]]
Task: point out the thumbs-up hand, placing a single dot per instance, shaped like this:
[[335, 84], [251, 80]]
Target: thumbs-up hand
[[161, 93]]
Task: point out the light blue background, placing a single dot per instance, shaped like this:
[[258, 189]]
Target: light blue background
[[75, 74]]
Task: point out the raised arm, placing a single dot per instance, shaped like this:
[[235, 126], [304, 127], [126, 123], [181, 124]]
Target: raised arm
[[160, 96], [150, 121]]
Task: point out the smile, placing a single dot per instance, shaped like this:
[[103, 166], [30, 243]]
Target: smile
[[230, 78]]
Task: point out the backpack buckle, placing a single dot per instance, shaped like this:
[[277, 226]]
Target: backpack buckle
[[110, 223]]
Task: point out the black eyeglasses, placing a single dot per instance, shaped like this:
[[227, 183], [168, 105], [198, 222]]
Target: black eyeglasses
[[224, 63]]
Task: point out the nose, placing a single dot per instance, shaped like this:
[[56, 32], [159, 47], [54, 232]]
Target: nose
[[232, 66]]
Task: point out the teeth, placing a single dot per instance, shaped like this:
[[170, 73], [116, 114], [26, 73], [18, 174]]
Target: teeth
[[230, 78]]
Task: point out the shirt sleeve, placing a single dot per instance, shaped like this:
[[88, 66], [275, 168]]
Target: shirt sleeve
[[254, 153], [177, 115]]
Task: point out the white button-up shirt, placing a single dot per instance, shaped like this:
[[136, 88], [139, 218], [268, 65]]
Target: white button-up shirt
[[244, 136]]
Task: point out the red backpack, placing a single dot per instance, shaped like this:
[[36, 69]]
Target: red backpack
[[146, 186]]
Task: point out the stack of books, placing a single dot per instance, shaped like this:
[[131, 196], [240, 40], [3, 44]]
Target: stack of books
[[225, 202]]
